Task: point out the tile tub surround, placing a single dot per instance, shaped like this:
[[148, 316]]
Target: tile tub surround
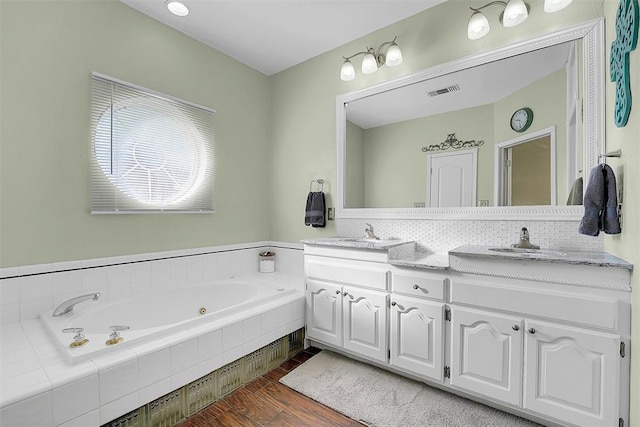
[[39, 388]]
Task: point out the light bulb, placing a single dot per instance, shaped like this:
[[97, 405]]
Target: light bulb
[[177, 8], [347, 72], [478, 26], [369, 64], [515, 13], [551, 6], [394, 56]]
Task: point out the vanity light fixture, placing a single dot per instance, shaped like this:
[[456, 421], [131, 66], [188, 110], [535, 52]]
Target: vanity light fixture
[[551, 6], [373, 59], [177, 7], [515, 13]]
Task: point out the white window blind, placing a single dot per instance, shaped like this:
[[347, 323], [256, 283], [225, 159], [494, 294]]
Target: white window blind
[[150, 152]]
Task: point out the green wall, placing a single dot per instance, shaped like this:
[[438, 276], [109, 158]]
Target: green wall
[[48, 50]]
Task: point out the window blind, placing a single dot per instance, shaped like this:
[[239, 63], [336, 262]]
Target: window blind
[[150, 152]]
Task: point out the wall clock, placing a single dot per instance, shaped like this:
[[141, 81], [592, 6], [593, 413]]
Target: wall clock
[[522, 119]]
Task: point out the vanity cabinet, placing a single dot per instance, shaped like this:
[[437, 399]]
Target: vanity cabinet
[[487, 354], [347, 305]]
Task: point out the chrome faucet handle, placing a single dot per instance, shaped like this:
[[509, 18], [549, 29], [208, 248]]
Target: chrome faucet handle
[[78, 339], [115, 330]]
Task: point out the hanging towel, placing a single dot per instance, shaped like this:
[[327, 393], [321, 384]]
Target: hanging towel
[[594, 201], [610, 220], [600, 203], [315, 209], [575, 195]]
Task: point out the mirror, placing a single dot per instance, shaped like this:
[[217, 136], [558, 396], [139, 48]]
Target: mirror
[[427, 145]]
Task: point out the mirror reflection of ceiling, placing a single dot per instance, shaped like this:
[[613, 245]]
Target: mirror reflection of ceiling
[[471, 87]]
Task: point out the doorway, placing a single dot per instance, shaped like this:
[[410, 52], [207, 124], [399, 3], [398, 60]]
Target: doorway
[[452, 179]]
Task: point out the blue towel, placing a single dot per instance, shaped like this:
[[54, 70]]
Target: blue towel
[[600, 203]]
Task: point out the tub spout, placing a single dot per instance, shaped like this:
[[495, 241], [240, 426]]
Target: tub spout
[[68, 305]]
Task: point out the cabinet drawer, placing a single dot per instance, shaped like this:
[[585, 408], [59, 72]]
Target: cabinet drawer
[[419, 285], [568, 307], [359, 273]]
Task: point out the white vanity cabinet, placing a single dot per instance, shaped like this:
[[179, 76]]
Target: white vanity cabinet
[[416, 327], [347, 304]]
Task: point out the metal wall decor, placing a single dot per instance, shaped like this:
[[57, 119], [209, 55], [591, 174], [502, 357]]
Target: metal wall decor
[[452, 142], [626, 41]]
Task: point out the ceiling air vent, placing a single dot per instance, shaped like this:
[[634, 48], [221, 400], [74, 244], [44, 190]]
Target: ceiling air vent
[[444, 90]]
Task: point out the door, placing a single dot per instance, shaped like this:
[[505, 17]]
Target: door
[[324, 312], [365, 322], [572, 374], [486, 354], [452, 179], [416, 336]]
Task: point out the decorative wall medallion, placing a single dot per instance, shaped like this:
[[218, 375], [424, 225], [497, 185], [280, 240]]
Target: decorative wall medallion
[[626, 41]]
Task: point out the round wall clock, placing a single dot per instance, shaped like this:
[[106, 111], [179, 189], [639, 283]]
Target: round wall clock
[[522, 119]]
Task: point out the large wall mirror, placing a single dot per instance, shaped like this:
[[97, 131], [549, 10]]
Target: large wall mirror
[[506, 134]]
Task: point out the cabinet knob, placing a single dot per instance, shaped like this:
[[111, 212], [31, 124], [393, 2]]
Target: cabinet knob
[[337, 292], [393, 303], [532, 330], [416, 287], [515, 327]]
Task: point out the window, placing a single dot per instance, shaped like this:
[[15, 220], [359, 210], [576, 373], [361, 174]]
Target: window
[[151, 152]]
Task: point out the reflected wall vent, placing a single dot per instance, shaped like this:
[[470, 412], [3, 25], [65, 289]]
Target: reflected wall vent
[[444, 90]]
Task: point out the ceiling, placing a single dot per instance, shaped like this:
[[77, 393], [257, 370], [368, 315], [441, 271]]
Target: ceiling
[[273, 35]]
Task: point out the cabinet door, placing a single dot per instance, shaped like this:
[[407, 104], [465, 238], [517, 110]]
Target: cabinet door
[[486, 353], [416, 336], [572, 374], [324, 312], [365, 321]]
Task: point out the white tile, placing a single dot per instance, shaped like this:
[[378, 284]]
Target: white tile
[[118, 407], [283, 315], [231, 355], [118, 382], [154, 367], [231, 336], [178, 272], [33, 412], [89, 419], [195, 271], [10, 290], [160, 271], [74, 399], [12, 368], [154, 391], [297, 309], [184, 377], [9, 313], [209, 345], [209, 266], [269, 321], [140, 272], [30, 309], [67, 282], [207, 366], [61, 372], [95, 280], [19, 387], [37, 286], [9, 272], [251, 328], [184, 355]]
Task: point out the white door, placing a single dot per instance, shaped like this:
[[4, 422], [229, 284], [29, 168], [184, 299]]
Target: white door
[[572, 374], [452, 179], [486, 354], [324, 312], [365, 322], [416, 336]]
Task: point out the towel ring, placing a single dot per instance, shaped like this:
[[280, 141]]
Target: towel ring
[[319, 181]]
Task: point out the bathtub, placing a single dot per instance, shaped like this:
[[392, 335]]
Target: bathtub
[[154, 315]]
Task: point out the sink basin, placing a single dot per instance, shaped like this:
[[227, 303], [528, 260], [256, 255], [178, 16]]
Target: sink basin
[[529, 252]]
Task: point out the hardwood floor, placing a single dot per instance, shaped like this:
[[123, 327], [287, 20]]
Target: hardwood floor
[[266, 402]]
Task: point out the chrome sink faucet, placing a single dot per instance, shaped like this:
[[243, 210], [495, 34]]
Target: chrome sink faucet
[[68, 305], [524, 240], [369, 232]]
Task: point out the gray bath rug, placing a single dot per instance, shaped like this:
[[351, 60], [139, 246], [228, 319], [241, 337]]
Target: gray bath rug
[[379, 398]]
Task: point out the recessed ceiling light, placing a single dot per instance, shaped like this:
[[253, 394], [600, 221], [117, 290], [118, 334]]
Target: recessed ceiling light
[[177, 8]]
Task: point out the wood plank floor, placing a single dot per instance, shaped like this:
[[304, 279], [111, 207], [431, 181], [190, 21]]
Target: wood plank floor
[[266, 402]]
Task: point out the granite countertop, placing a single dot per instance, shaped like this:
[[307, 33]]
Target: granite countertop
[[357, 242], [598, 259], [426, 260]]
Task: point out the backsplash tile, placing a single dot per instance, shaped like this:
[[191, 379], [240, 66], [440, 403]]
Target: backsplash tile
[[440, 236]]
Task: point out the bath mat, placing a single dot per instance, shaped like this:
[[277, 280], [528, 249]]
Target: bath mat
[[379, 398]]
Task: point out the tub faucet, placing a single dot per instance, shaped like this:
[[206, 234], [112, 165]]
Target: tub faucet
[[369, 232], [524, 240], [68, 305]]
